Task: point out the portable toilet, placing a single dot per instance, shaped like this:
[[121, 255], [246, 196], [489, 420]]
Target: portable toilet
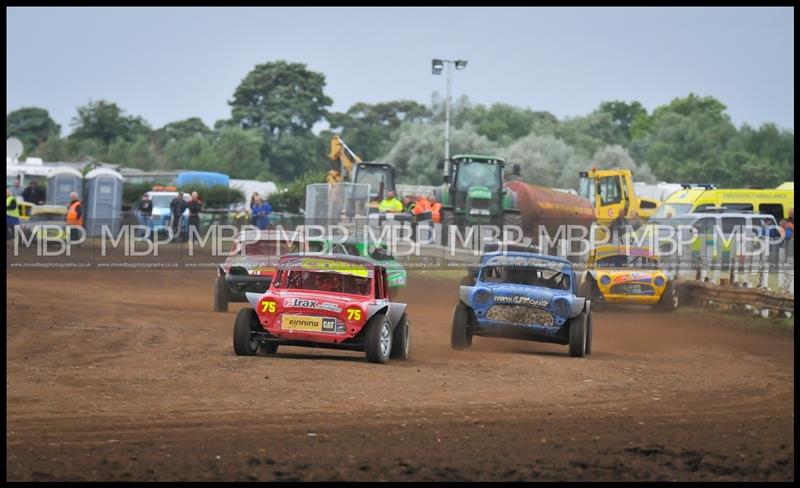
[[62, 181], [103, 204]]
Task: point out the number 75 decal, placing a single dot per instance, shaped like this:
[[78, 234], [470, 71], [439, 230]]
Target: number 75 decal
[[268, 306], [353, 314]]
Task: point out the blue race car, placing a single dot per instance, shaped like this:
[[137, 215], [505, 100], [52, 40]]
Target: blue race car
[[523, 295]]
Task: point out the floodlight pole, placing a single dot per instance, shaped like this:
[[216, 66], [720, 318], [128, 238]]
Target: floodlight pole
[[447, 114]]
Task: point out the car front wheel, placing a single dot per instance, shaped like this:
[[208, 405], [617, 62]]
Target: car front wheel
[[243, 328], [378, 339]]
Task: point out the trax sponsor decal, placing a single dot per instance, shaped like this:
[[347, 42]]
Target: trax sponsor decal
[[521, 300], [640, 277], [526, 261], [315, 304]]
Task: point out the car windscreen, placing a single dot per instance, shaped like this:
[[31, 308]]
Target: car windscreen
[[624, 261], [668, 210], [296, 279], [525, 275], [162, 201], [379, 253], [270, 248]]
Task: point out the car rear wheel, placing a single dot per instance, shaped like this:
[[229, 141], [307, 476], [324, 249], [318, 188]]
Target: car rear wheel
[[671, 299], [221, 297], [401, 339], [378, 339], [460, 338], [246, 323], [578, 335], [589, 328]]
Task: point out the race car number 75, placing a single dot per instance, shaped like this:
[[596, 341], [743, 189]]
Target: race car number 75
[[268, 306]]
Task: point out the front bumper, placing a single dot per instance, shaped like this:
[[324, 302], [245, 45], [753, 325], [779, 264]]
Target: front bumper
[[630, 299], [526, 332]]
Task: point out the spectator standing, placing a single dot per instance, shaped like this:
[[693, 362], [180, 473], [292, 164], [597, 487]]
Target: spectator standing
[[12, 214], [253, 199], [195, 205], [176, 207], [16, 189], [74, 216], [145, 210], [261, 210], [34, 194]]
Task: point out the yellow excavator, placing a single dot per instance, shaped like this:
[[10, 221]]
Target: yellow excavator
[[380, 176]]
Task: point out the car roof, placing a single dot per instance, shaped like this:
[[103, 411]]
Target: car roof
[[269, 235], [331, 257], [724, 214], [521, 254]]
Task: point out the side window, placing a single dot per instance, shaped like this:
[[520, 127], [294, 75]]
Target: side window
[[703, 207], [351, 249], [774, 209], [736, 207], [610, 190], [704, 226], [647, 204], [339, 249], [731, 223], [385, 283]]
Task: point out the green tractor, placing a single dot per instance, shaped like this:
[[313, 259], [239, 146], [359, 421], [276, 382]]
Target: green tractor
[[474, 193]]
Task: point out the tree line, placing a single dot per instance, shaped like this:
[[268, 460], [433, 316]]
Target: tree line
[[269, 136]]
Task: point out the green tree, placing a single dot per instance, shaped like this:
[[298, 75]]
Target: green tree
[[623, 114], [239, 152], [32, 126], [544, 160], [194, 153], [180, 130], [280, 98], [105, 121], [591, 132], [295, 154]]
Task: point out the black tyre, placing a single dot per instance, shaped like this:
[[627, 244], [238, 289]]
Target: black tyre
[[378, 338], [578, 335], [246, 323], [589, 328], [221, 297], [268, 348], [460, 337], [401, 339], [512, 219], [468, 280], [448, 220], [671, 298]]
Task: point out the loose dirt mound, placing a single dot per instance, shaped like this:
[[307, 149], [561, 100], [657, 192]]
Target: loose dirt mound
[[129, 375]]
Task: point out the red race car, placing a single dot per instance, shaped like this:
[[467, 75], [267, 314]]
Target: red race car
[[338, 302]]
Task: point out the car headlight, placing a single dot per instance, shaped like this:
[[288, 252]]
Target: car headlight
[[605, 280], [659, 281], [561, 306], [482, 296]]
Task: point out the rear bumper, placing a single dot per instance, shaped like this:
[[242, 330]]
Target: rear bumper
[[349, 344]]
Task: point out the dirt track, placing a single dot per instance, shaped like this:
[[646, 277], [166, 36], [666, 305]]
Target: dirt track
[[128, 375]]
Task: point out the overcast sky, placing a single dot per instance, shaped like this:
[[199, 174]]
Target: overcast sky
[[168, 64]]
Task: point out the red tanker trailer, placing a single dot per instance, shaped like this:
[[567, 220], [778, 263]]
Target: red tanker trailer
[[540, 206]]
